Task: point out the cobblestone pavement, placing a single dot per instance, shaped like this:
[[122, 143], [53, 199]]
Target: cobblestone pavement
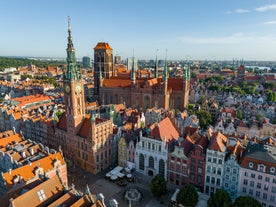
[[98, 184]]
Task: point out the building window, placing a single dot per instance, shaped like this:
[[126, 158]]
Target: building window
[[251, 164], [245, 182], [149, 146], [218, 181], [151, 162], [208, 169], [213, 180], [246, 174], [258, 194], [273, 189], [208, 179], [143, 144], [252, 175], [259, 185], [228, 169], [141, 162], [234, 171], [267, 179], [219, 171], [264, 196], [214, 160], [220, 161], [244, 189], [250, 191], [41, 195], [161, 167], [272, 170], [252, 183], [272, 198]]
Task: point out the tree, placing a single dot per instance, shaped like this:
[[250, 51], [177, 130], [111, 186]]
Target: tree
[[187, 196], [247, 201], [205, 118], [219, 199], [158, 185], [239, 114]]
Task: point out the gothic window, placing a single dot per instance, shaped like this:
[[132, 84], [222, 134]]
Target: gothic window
[[151, 162], [161, 167], [141, 162]]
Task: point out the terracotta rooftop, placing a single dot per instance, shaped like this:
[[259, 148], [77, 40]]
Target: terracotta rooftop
[[28, 171], [165, 130], [10, 140], [31, 99], [65, 200], [102, 46], [218, 142], [41, 195]]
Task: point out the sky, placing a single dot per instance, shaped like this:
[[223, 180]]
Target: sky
[[187, 29]]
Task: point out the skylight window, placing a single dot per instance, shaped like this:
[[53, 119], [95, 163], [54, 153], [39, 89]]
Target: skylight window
[[41, 195]]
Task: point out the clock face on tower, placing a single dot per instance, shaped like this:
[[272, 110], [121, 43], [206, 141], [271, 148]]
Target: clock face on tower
[[67, 88], [78, 88]]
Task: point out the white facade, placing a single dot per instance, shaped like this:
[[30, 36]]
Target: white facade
[[151, 157], [214, 171]]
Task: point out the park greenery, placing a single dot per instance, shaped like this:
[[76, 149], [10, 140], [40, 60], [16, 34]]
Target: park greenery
[[6, 62], [43, 79], [247, 201], [158, 185], [219, 199]]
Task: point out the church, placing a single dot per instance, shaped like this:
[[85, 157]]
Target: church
[[137, 91]]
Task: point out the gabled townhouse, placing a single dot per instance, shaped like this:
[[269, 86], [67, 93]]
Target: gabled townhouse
[[197, 163], [152, 150], [232, 168], [215, 159], [258, 174], [178, 162]]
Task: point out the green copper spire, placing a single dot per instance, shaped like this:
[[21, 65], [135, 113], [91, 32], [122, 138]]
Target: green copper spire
[[156, 66], [133, 70], [185, 73], [72, 72]]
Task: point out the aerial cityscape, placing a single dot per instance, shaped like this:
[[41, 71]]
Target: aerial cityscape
[[125, 103]]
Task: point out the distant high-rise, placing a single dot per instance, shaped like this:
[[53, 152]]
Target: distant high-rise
[[117, 59], [86, 62], [130, 63]]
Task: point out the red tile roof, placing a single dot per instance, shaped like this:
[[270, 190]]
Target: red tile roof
[[51, 188], [28, 171], [165, 129], [9, 140], [218, 142]]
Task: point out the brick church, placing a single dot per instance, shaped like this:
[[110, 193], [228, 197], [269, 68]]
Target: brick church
[[136, 91], [84, 138]]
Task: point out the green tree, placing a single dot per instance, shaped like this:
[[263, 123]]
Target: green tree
[[246, 201], [187, 196], [219, 199], [239, 114], [193, 75], [158, 185], [205, 118]]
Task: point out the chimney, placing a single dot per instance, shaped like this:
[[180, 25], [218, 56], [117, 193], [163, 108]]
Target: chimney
[[10, 171], [31, 151]]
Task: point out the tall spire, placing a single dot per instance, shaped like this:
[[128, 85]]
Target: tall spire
[[165, 69], [72, 72], [133, 70], [156, 66], [70, 46]]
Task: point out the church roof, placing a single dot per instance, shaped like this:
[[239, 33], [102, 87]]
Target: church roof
[[102, 46]]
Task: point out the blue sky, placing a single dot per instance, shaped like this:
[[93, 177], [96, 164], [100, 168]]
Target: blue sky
[[197, 29]]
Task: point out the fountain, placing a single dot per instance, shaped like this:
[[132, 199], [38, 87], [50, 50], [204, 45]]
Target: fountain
[[133, 195]]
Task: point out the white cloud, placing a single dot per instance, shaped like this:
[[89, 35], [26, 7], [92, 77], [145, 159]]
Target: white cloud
[[240, 11], [266, 8], [238, 38], [237, 11], [270, 22]]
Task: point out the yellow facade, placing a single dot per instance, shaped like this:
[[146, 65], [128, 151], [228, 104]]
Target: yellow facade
[[122, 152]]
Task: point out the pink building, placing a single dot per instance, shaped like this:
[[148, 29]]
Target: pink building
[[257, 174]]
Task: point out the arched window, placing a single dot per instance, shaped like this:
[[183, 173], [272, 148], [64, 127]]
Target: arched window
[[141, 162], [151, 162], [162, 167]]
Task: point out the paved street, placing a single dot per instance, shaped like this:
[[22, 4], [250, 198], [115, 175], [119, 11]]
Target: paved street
[[98, 184]]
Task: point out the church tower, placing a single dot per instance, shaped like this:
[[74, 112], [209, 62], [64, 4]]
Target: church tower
[[186, 85], [73, 89], [103, 60]]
